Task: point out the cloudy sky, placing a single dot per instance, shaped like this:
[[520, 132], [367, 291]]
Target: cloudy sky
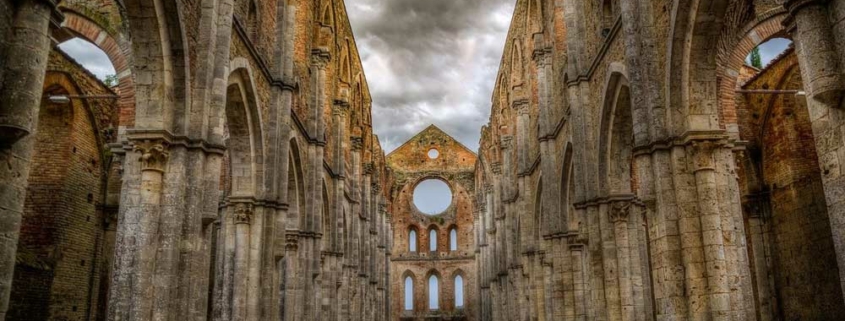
[[430, 62]]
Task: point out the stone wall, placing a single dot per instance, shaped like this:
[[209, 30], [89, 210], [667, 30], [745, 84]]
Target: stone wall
[[411, 164]]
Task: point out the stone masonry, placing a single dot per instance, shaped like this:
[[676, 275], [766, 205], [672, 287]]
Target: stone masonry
[[633, 168]]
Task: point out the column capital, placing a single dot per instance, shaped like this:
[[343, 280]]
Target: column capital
[[496, 167], [340, 108], [702, 153], [506, 142], [154, 154], [619, 211], [521, 106], [291, 241], [357, 143], [320, 57], [242, 213]]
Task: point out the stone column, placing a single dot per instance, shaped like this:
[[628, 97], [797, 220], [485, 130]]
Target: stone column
[[709, 223], [291, 309], [241, 217], [619, 213], [758, 212], [23, 61], [576, 243], [815, 46]]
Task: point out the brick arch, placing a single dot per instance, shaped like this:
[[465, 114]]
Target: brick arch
[[729, 64], [119, 55]]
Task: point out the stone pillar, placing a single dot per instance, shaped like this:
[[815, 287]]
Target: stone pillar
[[815, 46], [241, 217], [715, 219], [758, 212], [292, 307], [576, 243], [23, 61]]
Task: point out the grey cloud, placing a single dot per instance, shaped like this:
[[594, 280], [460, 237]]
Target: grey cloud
[[430, 61], [89, 56]]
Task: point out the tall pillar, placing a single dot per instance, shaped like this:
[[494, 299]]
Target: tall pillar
[[23, 62], [816, 48]]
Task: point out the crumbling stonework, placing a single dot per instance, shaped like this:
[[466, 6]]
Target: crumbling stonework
[[454, 164], [633, 168], [235, 177]]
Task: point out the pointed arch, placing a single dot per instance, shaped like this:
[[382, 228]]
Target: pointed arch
[[243, 137], [433, 290], [413, 239], [453, 238], [296, 188], [158, 55], [517, 68], [616, 136]]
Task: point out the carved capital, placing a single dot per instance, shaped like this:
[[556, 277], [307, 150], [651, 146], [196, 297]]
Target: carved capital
[[154, 154], [496, 167], [242, 213], [357, 143], [619, 211], [368, 168], [521, 106], [320, 58], [291, 241], [506, 142], [702, 153], [576, 240], [341, 108]]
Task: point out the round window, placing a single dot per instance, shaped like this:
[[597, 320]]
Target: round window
[[432, 196], [433, 153]]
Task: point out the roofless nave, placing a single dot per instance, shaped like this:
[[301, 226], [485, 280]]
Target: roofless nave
[[633, 168]]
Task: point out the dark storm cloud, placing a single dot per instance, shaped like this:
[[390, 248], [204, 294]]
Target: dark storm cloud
[[430, 62]]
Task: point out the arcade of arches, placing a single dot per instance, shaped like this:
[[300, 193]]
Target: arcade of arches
[[634, 167]]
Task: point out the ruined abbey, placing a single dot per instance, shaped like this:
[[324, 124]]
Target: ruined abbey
[[634, 167]]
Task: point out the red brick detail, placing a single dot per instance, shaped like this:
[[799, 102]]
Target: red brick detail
[[727, 84], [118, 54]]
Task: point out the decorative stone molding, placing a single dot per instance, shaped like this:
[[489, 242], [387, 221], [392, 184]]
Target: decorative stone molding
[[291, 241], [702, 153], [521, 106], [242, 213], [576, 240], [341, 108], [357, 143], [154, 154], [320, 58], [368, 168], [506, 142], [619, 211]]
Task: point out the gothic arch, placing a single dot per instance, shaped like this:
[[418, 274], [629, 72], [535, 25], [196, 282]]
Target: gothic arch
[[244, 144], [729, 63], [118, 52], [616, 135], [565, 188], [159, 62], [296, 188]]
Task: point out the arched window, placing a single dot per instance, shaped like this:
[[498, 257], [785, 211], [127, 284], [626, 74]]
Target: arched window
[[412, 241], [409, 294], [433, 293], [453, 239], [459, 292], [432, 240]]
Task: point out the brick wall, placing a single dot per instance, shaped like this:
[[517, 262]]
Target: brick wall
[[58, 267]]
